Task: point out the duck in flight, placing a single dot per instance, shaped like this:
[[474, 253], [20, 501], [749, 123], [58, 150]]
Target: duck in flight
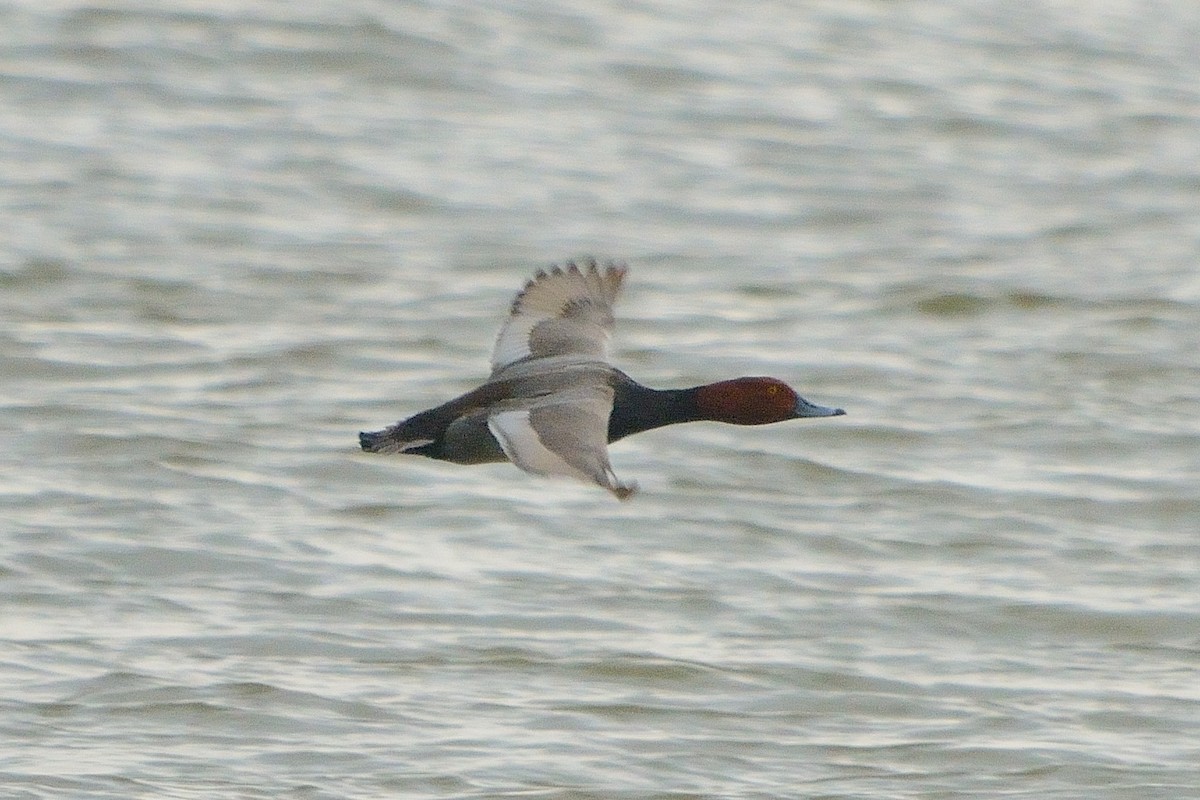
[[553, 402]]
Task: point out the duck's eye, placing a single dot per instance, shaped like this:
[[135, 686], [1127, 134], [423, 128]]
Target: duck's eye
[[772, 390]]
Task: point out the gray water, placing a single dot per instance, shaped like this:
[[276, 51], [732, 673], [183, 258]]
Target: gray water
[[235, 234]]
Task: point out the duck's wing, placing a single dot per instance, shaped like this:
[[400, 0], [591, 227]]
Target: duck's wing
[[561, 433], [563, 312]]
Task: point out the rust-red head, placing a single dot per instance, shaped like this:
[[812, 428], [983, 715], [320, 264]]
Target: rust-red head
[[756, 401]]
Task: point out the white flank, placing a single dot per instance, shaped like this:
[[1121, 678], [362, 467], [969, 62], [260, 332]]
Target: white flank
[[524, 448]]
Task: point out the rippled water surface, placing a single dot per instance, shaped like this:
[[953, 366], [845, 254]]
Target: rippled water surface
[[238, 233]]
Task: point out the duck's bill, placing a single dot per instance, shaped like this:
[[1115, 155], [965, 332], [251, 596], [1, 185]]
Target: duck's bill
[[807, 409]]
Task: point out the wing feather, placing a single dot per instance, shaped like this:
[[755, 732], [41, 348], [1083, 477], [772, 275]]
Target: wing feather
[[561, 312], [564, 433]]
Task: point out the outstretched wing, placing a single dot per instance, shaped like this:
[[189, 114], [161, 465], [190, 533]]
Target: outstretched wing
[[564, 312], [563, 433]]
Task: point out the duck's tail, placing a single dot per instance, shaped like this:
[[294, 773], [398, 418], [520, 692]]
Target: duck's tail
[[389, 440]]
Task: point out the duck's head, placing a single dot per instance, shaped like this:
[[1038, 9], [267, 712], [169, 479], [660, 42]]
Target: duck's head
[[756, 401]]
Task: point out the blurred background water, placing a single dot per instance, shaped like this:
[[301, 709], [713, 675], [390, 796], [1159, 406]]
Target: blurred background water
[[235, 234]]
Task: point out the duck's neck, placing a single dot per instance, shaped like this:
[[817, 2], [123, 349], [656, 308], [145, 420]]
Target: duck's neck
[[638, 408]]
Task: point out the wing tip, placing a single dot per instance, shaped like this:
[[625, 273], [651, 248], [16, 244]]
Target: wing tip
[[606, 277], [624, 491]]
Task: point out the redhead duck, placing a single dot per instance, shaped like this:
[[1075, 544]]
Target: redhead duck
[[553, 402]]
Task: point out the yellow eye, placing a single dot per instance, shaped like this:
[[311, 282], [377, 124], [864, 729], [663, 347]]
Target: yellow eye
[[772, 390]]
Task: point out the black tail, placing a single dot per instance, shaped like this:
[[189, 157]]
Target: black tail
[[371, 442], [396, 439]]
